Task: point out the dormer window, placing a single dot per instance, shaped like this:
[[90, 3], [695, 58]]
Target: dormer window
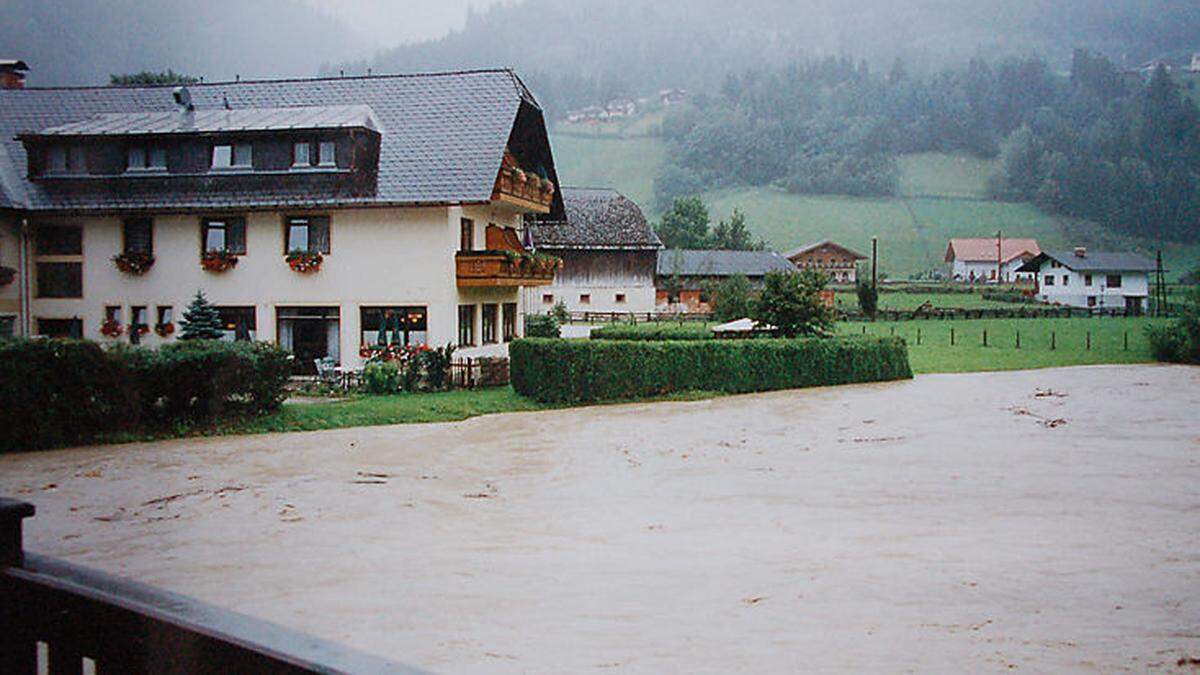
[[300, 155], [66, 160], [233, 156], [143, 158], [328, 156]]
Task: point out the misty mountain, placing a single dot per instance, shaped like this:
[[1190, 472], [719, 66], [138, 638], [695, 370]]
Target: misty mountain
[[75, 42], [570, 51]]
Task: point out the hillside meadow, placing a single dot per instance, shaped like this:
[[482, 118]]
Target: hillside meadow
[[942, 196]]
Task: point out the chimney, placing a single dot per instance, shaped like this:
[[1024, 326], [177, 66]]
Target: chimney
[[1080, 252], [12, 74]]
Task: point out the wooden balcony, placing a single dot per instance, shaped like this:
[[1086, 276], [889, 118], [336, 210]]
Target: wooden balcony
[[524, 190], [500, 268]]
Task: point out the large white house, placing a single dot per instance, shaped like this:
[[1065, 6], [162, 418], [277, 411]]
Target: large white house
[[609, 255], [313, 212], [1094, 279], [989, 260]]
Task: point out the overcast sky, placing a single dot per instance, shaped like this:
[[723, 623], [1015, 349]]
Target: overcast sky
[[391, 22]]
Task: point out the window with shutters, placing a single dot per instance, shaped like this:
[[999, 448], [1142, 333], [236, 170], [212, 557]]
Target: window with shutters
[[138, 235], [223, 234], [307, 233]]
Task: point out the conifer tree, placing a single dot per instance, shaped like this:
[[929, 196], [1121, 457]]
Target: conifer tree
[[201, 320]]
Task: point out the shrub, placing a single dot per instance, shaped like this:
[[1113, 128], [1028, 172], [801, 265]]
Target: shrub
[[1179, 341], [437, 367], [792, 303], [381, 377], [542, 326], [868, 297], [731, 298], [653, 332], [570, 371], [73, 392], [1011, 296], [560, 312]]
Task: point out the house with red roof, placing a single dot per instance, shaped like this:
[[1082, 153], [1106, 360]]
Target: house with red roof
[[990, 259]]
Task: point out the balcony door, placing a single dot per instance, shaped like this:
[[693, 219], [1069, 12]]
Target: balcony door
[[311, 334]]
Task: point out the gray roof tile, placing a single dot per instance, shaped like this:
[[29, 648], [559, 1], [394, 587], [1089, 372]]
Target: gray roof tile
[[686, 263], [1094, 261], [597, 218]]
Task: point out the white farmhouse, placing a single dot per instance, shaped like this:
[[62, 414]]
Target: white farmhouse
[[1100, 280], [609, 255], [326, 215], [981, 259]]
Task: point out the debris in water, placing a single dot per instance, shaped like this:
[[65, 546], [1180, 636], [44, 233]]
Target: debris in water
[[754, 600], [1048, 393]]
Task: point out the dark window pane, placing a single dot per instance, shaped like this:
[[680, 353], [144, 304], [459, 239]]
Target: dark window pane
[[223, 234], [237, 235], [489, 323], [466, 325], [510, 321], [59, 240], [240, 323], [60, 328], [318, 234], [60, 280], [138, 235], [399, 325], [466, 238]]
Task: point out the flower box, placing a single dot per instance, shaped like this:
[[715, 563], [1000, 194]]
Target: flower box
[[305, 262], [218, 261], [135, 263], [111, 328], [164, 329]]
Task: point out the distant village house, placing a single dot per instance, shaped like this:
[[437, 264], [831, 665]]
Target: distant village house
[[990, 260], [839, 263], [1092, 279], [686, 277]]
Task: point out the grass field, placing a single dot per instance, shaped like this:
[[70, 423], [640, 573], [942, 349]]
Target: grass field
[[942, 196]]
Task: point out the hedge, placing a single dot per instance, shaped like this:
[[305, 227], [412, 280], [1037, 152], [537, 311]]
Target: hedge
[[68, 392], [653, 332], [573, 371]]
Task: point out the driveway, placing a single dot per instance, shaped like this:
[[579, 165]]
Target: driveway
[[1041, 521]]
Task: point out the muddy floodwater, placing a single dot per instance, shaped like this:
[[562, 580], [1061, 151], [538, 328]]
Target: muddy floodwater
[[1043, 521]]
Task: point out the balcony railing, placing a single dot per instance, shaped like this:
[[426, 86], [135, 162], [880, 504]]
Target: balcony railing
[[524, 189], [504, 268], [120, 626]]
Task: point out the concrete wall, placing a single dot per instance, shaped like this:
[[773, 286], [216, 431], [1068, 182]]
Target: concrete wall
[[378, 257]]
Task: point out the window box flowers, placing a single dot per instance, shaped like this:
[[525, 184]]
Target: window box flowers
[[135, 263], [305, 262], [218, 261], [164, 329], [140, 328], [111, 328]]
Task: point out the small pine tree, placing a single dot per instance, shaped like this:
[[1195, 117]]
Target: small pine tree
[[201, 320]]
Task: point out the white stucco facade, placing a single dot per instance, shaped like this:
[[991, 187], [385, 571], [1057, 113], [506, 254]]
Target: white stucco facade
[[378, 258], [1116, 289], [985, 271]]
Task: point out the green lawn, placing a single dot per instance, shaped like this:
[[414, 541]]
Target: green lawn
[[941, 197], [935, 354], [849, 300]]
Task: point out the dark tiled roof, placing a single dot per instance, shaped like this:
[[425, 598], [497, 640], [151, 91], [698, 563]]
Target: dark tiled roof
[[721, 263], [443, 139], [597, 218], [220, 120], [1093, 261]]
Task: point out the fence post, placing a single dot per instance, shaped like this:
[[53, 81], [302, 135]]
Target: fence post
[[1089, 340], [984, 337], [918, 336], [1126, 340], [893, 331], [1053, 340], [12, 512], [951, 336], [1018, 338]]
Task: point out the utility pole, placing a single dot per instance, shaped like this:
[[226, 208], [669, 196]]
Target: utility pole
[[999, 258], [875, 265], [1160, 288]]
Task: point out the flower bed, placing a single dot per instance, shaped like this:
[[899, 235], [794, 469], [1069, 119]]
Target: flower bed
[[571, 371], [135, 263]]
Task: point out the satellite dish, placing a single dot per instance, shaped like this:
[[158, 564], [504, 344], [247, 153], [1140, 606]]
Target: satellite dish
[[183, 98]]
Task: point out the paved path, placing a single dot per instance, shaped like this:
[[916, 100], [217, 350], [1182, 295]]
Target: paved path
[[952, 523]]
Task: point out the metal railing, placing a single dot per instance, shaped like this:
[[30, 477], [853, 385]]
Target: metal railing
[[56, 615]]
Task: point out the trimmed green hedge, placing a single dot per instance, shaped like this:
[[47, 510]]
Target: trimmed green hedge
[[572, 371], [653, 332], [68, 392]]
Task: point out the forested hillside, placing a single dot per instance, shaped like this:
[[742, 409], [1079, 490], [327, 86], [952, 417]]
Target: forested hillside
[[1097, 144]]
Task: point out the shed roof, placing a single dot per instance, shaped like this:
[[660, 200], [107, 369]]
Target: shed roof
[[219, 120], [597, 218], [444, 137], [983, 249], [826, 242], [687, 263]]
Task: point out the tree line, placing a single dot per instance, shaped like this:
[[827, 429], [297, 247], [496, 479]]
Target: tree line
[[1097, 143]]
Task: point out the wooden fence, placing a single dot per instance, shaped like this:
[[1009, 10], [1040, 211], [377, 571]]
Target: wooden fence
[[55, 616], [483, 371], [1020, 311]]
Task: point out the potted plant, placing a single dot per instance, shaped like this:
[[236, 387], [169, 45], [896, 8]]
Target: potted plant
[[7, 275], [305, 262], [135, 263], [218, 261], [164, 329], [111, 328]]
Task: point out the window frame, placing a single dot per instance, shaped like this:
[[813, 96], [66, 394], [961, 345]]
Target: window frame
[[309, 222], [227, 223], [125, 243], [1108, 280], [585, 298], [39, 239], [508, 321], [234, 164], [415, 319], [466, 326], [466, 235], [490, 323], [620, 298], [76, 268], [164, 314], [332, 146], [1048, 280], [547, 298], [296, 163]]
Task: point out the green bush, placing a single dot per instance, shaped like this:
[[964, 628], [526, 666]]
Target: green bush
[[571, 371], [1179, 341], [653, 332], [1011, 296], [71, 391], [542, 326], [381, 377]]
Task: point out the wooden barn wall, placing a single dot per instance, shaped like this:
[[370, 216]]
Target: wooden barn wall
[[600, 268]]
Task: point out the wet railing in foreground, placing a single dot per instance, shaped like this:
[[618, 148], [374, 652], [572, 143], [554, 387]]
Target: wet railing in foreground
[[71, 618]]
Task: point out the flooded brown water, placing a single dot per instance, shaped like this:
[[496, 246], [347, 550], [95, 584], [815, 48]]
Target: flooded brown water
[[1042, 520]]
